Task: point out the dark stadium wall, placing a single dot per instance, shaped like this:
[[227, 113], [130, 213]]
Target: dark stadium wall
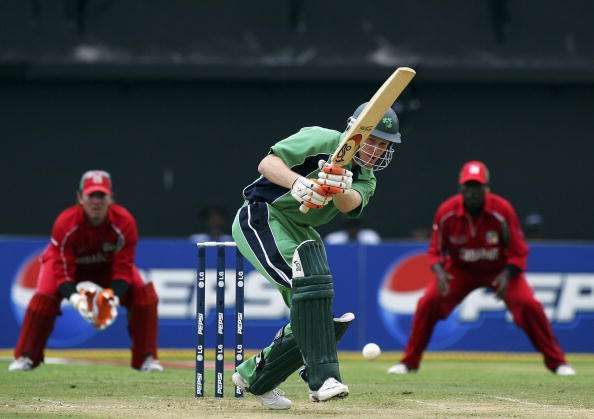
[[173, 148], [459, 37]]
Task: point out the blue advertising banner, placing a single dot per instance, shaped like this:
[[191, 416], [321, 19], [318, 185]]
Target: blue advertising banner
[[380, 284]]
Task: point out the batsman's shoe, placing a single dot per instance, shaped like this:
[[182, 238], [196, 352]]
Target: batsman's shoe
[[22, 363], [341, 324], [400, 368], [303, 373], [151, 364], [330, 389], [274, 399], [565, 369]]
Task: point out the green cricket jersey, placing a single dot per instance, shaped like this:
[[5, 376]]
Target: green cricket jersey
[[301, 153]]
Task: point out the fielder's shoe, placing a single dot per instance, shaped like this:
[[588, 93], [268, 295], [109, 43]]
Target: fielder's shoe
[[564, 369], [151, 364], [274, 399], [399, 368], [22, 363], [330, 389]]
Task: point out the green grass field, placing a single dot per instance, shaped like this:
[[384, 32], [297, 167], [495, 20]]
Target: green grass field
[[100, 384]]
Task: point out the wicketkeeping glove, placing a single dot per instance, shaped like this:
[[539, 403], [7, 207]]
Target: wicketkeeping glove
[[334, 179], [309, 193], [105, 309], [82, 301]]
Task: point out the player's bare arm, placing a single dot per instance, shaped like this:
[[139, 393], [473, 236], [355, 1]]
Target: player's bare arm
[[276, 171], [348, 201]]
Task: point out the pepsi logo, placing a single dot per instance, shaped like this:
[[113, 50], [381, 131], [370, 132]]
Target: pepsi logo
[[403, 285]]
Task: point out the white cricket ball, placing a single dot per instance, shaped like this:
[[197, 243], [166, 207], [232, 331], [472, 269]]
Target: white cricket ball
[[371, 351]]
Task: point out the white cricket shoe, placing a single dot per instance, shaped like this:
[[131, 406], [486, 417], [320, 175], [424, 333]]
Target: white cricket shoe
[[22, 363], [274, 399], [345, 318], [565, 369], [151, 364], [399, 368], [330, 389]]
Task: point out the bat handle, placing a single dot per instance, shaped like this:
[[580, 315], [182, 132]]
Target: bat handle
[[303, 208]]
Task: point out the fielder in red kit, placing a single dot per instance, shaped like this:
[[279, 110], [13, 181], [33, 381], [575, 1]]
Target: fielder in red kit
[[90, 262], [477, 242]]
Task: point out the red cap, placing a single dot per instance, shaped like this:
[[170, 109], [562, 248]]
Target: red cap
[[95, 181], [474, 170]]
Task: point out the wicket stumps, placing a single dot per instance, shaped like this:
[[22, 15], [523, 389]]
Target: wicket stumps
[[220, 316]]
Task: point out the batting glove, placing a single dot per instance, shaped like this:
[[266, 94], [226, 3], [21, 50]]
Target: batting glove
[[309, 193], [105, 309], [334, 179]]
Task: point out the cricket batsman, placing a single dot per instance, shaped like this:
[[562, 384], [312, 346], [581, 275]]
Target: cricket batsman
[[90, 263], [477, 242], [282, 243]]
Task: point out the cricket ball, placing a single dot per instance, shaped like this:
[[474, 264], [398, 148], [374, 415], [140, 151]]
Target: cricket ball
[[371, 351]]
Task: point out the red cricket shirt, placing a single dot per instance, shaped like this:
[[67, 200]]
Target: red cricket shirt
[[80, 251], [479, 245]]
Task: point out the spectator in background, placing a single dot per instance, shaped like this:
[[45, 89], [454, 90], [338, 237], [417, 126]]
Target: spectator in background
[[420, 234], [213, 219], [93, 242], [533, 226], [477, 242], [353, 232]]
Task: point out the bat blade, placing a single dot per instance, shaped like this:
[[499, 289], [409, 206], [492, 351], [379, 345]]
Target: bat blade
[[377, 106]]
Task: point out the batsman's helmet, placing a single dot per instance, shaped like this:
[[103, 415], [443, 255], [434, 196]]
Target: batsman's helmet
[[387, 128], [371, 156]]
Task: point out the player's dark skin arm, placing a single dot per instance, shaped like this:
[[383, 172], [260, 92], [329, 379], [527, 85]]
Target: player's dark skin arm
[[501, 281], [443, 278]]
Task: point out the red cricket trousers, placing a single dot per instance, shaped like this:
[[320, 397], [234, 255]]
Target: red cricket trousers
[[527, 312]]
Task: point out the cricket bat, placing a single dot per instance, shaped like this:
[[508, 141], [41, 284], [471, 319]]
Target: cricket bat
[[369, 118]]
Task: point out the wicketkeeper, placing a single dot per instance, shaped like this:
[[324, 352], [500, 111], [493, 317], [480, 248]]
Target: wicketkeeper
[[94, 243], [282, 244], [478, 242]]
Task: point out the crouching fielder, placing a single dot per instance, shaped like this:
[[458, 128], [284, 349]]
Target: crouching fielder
[[93, 243], [282, 244], [477, 242]]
